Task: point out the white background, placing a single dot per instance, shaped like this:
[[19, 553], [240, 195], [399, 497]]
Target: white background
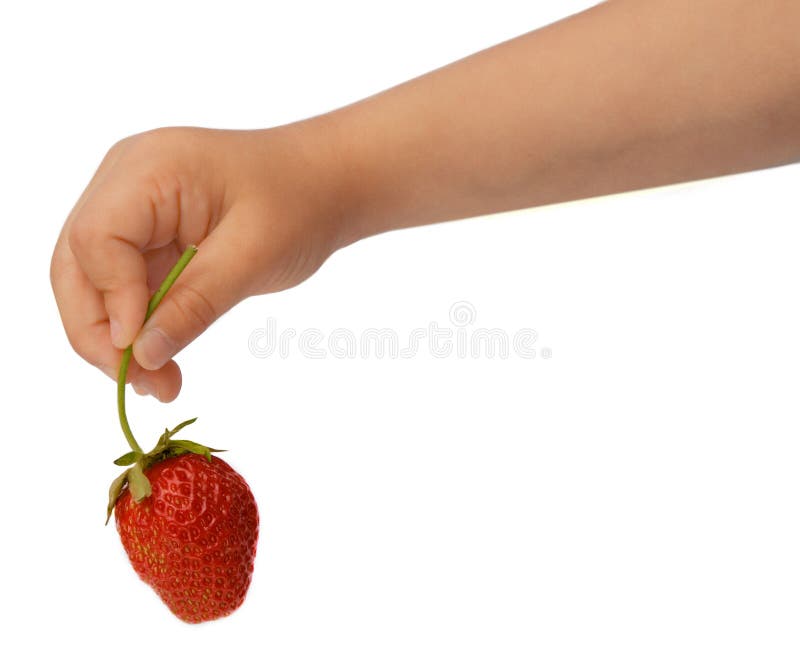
[[635, 495]]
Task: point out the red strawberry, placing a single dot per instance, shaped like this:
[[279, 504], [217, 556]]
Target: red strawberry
[[187, 520], [194, 538]]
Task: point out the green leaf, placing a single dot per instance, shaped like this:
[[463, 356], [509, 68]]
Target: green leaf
[[138, 483], [194, 447], [181, 426], [114, 491], [127, 459], [161, 445]]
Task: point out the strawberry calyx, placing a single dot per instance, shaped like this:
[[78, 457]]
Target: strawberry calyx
[[134, 477]]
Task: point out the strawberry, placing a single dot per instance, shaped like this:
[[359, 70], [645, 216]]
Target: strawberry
[[193, 540], [187, 520]]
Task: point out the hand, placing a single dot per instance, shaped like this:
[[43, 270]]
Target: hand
[[602, 102], [253, 201]]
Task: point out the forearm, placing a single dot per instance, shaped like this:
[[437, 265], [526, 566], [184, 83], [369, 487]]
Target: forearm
[[627, 95]]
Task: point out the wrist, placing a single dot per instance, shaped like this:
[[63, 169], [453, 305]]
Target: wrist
[[324, 167]]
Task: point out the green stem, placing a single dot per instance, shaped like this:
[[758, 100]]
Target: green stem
[[191, 250]]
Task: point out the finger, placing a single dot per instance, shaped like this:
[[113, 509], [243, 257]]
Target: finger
[[159, 262], [219, 277], [163, 384], [80, 305], [86, 324], [116, 223]]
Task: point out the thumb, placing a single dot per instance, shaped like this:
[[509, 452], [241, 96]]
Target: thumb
[[217, 279]]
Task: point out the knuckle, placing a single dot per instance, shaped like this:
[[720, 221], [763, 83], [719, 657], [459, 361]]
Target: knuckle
[[82, 345], [77, 344], [119, 150], [138, 144], [152, 140], [86, 240], [119, 146], [81, 236], [90, 343], [195, 307]]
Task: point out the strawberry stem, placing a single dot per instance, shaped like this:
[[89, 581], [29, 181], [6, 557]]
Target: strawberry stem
[[191, 250]]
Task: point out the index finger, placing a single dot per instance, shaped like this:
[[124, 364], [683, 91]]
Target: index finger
[[86, 323]]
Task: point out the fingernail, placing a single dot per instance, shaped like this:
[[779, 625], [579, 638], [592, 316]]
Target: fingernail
[[116, 334], [154, 349]]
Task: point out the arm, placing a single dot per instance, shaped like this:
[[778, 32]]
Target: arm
[[629, 94], [626, 95]]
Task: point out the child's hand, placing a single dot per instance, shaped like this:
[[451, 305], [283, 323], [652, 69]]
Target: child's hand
[[251, 200], [623, 96]]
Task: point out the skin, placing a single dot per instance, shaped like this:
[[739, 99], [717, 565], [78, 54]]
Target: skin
[[627, 95]]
